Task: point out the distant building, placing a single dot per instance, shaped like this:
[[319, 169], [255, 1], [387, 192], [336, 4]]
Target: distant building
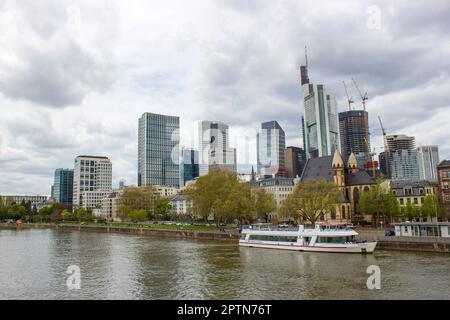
[[320, 119], [37, 200], [352, 128], [158, 150], [412, 192], [110, 205], [279, 187], [295, 161], [181, 205], [189, 165], [384, 164], [92, 181], [428, 162], [402, 158], [167, 191], [63, 186], [443, 173], [349, 178], [215, 151], [270, 143]]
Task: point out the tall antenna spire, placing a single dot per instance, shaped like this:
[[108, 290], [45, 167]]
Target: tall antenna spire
[[306, 55]]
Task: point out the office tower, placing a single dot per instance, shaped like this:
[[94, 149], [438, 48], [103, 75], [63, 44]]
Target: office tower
[[295, 159], [92, 180], [320, 119], [158, 150], [352, 129], [189, 165], [270, 143], [214, 150], [62, 190], [402, 158], [384, 164], [428, 162]]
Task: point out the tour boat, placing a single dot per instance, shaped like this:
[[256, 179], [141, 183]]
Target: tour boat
[[321, 238]]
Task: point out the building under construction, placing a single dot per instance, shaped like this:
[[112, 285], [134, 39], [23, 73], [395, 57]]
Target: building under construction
[[352, 127]]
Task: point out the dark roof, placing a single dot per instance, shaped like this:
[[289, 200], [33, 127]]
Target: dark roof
[[318, 168], [359, 178], [445, 163], [416, 186]]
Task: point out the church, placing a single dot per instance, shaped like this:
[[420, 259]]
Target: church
[[348, 177]]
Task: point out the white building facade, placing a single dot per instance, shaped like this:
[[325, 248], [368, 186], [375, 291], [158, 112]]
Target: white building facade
[[92, 181]]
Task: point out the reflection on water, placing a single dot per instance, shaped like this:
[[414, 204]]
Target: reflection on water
[[33, 265]]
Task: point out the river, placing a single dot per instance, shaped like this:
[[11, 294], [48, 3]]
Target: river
[[33, 265]]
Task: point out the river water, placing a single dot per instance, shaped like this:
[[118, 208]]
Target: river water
[[33, 265]]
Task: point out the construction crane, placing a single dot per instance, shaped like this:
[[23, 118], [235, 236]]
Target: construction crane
[[364, 98], [349, 99], [386, 151]]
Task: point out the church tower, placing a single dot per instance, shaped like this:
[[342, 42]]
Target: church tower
[[338, 170]]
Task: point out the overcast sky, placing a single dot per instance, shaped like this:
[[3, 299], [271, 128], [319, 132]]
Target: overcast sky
[[75, 76]]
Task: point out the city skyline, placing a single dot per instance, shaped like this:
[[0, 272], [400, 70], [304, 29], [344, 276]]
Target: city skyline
[[93, 110]]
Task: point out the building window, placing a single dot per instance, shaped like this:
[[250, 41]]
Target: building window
[[402, 202], [416, 201]]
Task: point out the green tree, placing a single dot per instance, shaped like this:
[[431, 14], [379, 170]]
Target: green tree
[[162, 208], [82, 214], [265, 204], [138, 215], [430, 207], [214, 194], [123, 212], [311, 200], [16, 211], [66, 214], [379, 202], [140, 198]]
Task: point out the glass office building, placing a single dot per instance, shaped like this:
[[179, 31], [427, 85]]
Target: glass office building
[[158, 150], [62, 190]]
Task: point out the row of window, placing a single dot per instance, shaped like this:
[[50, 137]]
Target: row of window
[[273, 238]]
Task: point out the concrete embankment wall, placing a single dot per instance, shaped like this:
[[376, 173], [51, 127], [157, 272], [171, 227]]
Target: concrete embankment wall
[[133, 231], [424, 244]]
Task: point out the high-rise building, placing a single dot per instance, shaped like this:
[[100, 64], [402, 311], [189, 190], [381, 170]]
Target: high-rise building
[[62, 190], [158, 150], [189, 165], [352, 129], [295, 161], [428, 162], [270, 143], [320, 119], [402, 158], [92, 180], [214, 150]]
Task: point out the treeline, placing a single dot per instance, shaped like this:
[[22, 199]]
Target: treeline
[[222, 197], [139, 204]]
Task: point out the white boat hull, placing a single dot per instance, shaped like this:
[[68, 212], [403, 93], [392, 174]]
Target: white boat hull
[[367, 247]]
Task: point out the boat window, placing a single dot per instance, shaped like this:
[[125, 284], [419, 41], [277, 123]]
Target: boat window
[[335, 239], [255, 237], [306, 240]]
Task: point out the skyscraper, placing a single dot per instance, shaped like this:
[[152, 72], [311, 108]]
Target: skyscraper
[[295, 161], [402, 158], [352, 129], [214, 150], [189, 165], [270, 143], [428, 162], [320, 119], [92, 180], [63, 186], [158, 150]]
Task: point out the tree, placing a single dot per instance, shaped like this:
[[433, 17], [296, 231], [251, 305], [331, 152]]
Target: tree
[[123, 212], [377, 202], [162, 208], [140, 198], [265, 204], [214, 194], [82, 214], [138, 215], [66, 214], [429, 207], [311, 200], [16, 211]]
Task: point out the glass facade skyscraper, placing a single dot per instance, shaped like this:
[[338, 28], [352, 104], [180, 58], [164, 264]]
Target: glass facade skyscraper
[[158, 150], [428, 162], [402, 158], [270, 143], [189, 166], [62, 190]]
